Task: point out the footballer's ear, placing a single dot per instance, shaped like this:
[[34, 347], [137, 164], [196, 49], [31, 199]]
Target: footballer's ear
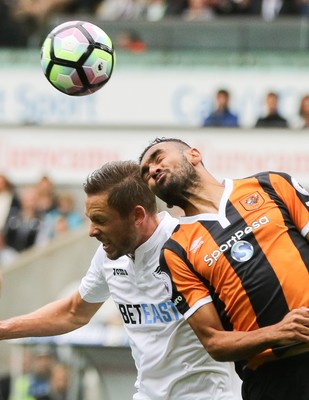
[[194, 156], [139, 214]]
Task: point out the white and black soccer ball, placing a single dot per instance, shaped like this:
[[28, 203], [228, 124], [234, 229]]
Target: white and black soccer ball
[[78, 58]]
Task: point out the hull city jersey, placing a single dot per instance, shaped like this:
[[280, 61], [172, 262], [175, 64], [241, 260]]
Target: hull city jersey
[[251, 259], [171, 363]]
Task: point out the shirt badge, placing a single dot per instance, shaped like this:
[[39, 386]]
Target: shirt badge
[[252, 202]]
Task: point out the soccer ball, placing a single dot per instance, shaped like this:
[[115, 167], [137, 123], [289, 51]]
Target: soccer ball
[[77, 58]]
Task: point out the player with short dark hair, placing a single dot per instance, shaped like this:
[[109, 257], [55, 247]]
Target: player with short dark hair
[[171, 362], [241, 248]]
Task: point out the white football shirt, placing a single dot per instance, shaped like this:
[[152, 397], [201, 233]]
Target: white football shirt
[[171, 362]]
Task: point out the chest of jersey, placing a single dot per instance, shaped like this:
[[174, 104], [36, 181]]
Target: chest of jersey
[[245, 257], [140, 293], [246, 232]]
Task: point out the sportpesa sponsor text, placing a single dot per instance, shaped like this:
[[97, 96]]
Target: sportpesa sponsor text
[[210, 259]]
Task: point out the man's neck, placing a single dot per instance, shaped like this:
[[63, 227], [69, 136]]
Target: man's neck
[[150, 224], [205, 200]]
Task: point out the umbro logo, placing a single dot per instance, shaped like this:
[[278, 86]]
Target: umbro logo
[[196, 244]]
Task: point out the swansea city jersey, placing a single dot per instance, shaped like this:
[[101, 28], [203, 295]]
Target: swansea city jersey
[[171, 363]]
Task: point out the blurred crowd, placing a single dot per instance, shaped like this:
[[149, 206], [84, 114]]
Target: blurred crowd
[[189, 10], [223, 115], [21, 18], [40, 375], [33, 215]]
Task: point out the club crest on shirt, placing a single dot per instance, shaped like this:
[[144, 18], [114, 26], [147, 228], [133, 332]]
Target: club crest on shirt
[[252, 202], [167, 282], [164, 278]]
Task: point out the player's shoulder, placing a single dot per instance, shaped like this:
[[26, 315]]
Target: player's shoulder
[[275, 178], [179, 239], [168, 223], [274, 174], [267, 177]]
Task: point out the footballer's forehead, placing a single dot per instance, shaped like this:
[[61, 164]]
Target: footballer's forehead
[[161, 148]]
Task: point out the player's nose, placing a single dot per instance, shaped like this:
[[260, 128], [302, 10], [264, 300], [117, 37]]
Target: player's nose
[[93, 230], [153, 169]]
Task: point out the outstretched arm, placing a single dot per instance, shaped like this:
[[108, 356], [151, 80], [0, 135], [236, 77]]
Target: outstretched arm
[[55, 318], [233, 346]]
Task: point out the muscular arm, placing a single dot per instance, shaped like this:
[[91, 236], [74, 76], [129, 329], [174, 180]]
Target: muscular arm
[[55, 318], [232, 346]]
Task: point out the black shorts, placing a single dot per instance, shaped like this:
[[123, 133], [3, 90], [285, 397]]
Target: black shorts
[[286, 379]]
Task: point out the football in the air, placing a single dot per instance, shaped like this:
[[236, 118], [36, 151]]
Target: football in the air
[[77, 58]]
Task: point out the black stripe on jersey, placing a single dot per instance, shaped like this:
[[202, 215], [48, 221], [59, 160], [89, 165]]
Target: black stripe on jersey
[[176, 248], [181, 305], [303, 197], [256, 275], [298, 240]]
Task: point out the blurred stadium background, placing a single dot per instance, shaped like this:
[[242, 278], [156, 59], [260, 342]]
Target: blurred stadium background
[[162, 86]]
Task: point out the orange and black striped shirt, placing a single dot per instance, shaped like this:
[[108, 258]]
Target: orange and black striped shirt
[[251, 257]]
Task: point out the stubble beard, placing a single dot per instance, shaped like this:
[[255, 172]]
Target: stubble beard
[[177, 190], [126, 246]]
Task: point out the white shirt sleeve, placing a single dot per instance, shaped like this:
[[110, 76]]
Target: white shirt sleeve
[[93, 287]]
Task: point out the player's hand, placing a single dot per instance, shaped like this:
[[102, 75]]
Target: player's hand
[[294, 327]]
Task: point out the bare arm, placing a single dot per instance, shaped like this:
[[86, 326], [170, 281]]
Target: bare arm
[[232, 346], [55, 318]]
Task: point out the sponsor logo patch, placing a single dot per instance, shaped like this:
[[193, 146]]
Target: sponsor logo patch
[[211, 258], [242, 251], [120, 272]]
